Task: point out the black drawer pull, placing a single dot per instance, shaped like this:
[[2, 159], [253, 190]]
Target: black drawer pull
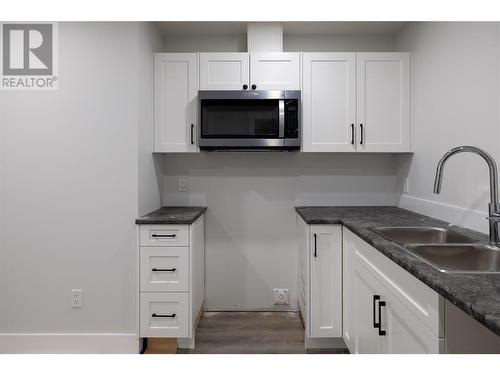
[[352, 134], [375, 323], [381, 332], [163, 315], [315, 245], [192, 134], [361, 138], [164, 269], [154, 235]]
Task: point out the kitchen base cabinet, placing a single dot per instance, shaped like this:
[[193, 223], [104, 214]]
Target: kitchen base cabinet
[[365, 338], [320, 283], [404, 333], [386, 309], [172, 290]]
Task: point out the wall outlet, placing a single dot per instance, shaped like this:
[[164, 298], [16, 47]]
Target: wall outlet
[[280, 296], [183, 184], [76, 298]]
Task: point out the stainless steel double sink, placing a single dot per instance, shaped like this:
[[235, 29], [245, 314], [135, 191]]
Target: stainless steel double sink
[[445, 249]]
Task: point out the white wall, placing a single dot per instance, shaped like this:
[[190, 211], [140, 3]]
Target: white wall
[[455, 92], [69, 176], [250, 239]]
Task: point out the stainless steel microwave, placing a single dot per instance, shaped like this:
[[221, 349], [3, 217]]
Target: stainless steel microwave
[[249, 120]]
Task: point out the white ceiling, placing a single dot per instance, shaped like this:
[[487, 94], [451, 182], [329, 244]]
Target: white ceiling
[[219, 28]]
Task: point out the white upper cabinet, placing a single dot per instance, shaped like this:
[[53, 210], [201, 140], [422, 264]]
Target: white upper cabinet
[[275, 70], [383, 101], [329, 102], [176, 91], [224, 71], [355, 102]]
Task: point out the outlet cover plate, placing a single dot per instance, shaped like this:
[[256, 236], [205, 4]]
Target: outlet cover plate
[[76, 298], [281, 296]]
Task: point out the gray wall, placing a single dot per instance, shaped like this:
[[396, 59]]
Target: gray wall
[[455, 95]]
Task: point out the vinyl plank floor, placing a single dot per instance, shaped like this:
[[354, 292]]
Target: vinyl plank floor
[[251, 333]]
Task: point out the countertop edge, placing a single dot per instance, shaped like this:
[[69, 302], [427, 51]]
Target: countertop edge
[[144, 220]]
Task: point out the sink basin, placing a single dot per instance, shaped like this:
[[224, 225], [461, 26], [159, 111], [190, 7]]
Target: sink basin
[[469, 258], [422, 235]]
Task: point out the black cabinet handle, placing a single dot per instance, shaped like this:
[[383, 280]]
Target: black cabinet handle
[[192, 134], [163, 269], [254, 86], [245, 86], [381, 332], [315, 245], [163, 315], [362, 134], [352, 134], [154, 235], [375, 323]]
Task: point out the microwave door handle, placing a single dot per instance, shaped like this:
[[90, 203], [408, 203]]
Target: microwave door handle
[[281, 119]]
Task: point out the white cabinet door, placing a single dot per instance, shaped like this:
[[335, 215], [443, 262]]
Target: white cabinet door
[[405, 334], [224, 71], [329, 102], [275, 70], [365, 287], [383, 101], [325, 259], [176, 89]]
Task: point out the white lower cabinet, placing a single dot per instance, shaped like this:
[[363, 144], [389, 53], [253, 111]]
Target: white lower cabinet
[[172, 289], [379, 303], [405, 334], [320, 282], [363, 333], [325, 281], [164, 314]]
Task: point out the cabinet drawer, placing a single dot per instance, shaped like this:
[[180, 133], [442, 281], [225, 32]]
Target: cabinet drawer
[[165, 269], [164, 315], [164, 235]]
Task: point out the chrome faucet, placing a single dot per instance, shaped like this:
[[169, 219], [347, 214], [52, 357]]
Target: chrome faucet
[[494, 207]]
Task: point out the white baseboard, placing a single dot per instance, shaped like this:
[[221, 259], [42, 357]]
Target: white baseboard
[[455, 215], [69, 343]]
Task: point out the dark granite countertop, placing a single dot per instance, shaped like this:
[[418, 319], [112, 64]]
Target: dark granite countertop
[[172, 215], [476, 294]]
